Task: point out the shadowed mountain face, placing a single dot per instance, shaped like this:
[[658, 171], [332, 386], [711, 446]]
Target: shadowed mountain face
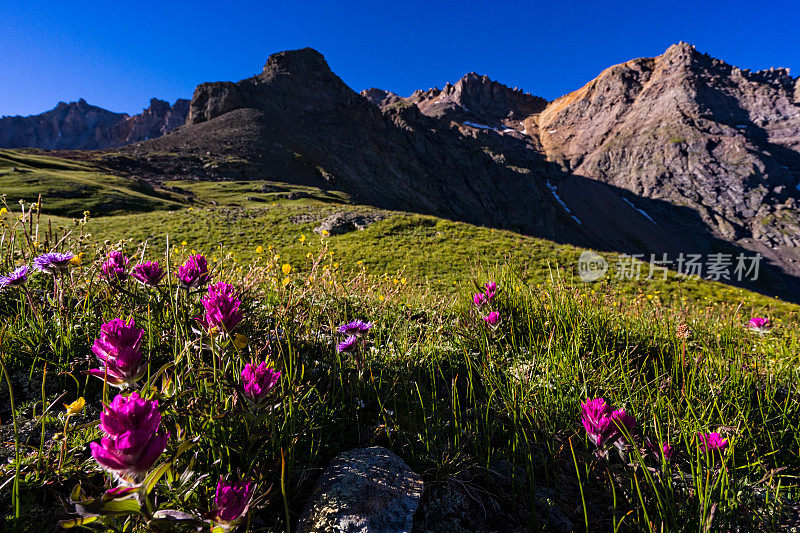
[[298, 122], [680, 153], [689, 141], [80, 126]]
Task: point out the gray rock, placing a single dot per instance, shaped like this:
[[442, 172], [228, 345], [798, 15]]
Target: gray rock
[[363, 490], [339, 223]]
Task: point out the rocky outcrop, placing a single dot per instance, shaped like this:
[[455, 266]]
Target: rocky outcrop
[[81, 126], [473, 98], [689, 130], [382, 98], [157, 120], [345, 222], [367, 490]]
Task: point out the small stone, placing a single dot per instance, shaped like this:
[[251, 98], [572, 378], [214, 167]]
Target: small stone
[[368, 490]]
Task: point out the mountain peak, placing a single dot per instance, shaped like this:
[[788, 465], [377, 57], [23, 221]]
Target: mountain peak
[[293, 62]]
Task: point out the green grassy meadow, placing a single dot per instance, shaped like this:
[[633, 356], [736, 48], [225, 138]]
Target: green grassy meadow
[[488, 412]]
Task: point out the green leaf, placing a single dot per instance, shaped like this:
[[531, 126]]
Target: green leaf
[[154, 476], [77, 494], [126, 506], [73, 522], [118, 493]]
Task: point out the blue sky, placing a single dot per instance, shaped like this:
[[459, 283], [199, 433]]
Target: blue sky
[[120, 54]]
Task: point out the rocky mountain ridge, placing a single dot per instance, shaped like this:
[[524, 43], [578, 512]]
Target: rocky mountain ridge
[[81, 126], [675, 154]]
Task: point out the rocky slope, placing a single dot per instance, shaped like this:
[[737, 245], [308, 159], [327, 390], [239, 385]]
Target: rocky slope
[[81, 126], [686, 129]]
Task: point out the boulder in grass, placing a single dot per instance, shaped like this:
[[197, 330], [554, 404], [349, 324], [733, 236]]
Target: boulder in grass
[[339, 223], [367, 490]]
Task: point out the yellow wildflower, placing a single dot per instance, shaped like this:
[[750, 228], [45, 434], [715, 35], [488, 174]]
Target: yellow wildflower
[[259, 250], [286, 281], [325, 233], [77, 260], [403, 281], [75, 407], [286, 269], [184, 243], [3, 211], [381, 297], [303, 237]]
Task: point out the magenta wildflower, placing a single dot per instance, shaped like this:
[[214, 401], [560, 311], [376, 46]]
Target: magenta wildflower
[[194, 272], [53, 262], [132, 442], [115, 269], [759, 324], [356, 327], [603, 424], [491, 290], [259, 380], [232, 500], [657, 450], [712, 441], [16, 278], [119, 351], [148, 273], [348, 345], [222, 308], [493, 318], [479, 299]]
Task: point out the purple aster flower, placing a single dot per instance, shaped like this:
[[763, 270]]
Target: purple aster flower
[[479, 299], [356, 327], [348, 345], [259, 380], [148, 273], [115, 269], [712, 441], [222, 308], [15, 279], [759, 324], [492, 319], [53, 262], [132, 442], [194, 272], [118, 350], [232, 500]]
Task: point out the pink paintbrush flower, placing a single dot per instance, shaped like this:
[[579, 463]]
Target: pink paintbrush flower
[[119, 351], [492, 319], [132, 442]]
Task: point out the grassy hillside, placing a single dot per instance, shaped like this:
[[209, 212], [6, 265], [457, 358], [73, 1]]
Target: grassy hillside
[[258, 218], [431, 253], [72, 187], [488, 414], [491, 413]]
